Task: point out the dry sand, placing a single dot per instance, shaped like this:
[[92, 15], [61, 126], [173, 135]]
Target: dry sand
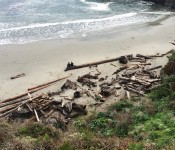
[[46, 60]]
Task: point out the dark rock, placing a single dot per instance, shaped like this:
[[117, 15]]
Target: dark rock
[[77, 94], [105, 93], [123, 60]]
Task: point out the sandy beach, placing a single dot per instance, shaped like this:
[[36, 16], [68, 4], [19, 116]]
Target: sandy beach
[[46, 60]]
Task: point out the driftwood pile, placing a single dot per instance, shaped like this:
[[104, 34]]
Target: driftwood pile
[[133, 76], [136, 78], [42, 107]]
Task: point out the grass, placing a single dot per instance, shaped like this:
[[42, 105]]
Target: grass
[[136, 124]]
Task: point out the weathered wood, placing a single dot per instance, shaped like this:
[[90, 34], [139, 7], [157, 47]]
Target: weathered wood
[[99, 73], [49, 113], [48, 83], [153, 68], [36, 114], [29, 107], [143, 56], [120, 69], [135, 80], [173, 43], [13, 109], [93, 63], [133, 90], [18, 76], [6, 108], [151, 56], [12, 102], [170, 51], [22, 95]]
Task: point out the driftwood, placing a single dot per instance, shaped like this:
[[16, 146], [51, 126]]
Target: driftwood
[[12, 102], [32, 90], [133, 90], [87, 82], [143, 56], [153, 68], [120, 69], [69, 85], [161, 55], [6, 108], [99, 73], [22, 95], [48, 83], [36, 114], [173, 43], [135, 80], [18, 76], [11, 110], [93, 63], [89, 76]]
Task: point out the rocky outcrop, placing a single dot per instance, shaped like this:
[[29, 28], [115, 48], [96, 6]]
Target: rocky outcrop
[[167, 3]]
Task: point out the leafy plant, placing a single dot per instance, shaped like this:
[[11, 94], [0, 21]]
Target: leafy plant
[[136, 146], [121, 106], [36, 130], [66, 146]]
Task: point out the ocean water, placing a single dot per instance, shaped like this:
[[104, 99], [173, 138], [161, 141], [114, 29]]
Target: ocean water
[[23, 21]]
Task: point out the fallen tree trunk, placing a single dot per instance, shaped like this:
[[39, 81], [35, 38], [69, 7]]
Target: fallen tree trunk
[[135, 80], [133, 90], [48, 83], [22, 95], [91, 64], [12, 102], [151, 56], [13, 109], [153, 68], [6, 108], [161, 55], [120, 69], [146, 57]]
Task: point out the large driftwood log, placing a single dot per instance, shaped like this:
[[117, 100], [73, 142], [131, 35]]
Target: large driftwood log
[[146, 57], [133, 90], [32, 90], [12, 102], [120, 69], [135, 80], [13, 109], [153, 68], [22, 95], [4, 109], [92, 64], [48, 83]]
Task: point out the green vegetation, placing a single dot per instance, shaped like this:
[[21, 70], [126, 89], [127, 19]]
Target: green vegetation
[[135, 124], [172, 57], [36, 130], [148, 120], [66, 146]]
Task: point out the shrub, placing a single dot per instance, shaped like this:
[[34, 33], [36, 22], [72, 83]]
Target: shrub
[[36, 130], [136, 146], [6, 133], [66, 146], [159, 129], [172, 57], [121, 106]]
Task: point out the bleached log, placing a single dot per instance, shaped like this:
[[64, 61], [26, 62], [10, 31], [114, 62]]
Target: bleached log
[[36, 114]]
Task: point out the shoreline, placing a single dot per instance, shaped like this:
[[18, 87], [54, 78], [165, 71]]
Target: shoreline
[[44, 61]]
